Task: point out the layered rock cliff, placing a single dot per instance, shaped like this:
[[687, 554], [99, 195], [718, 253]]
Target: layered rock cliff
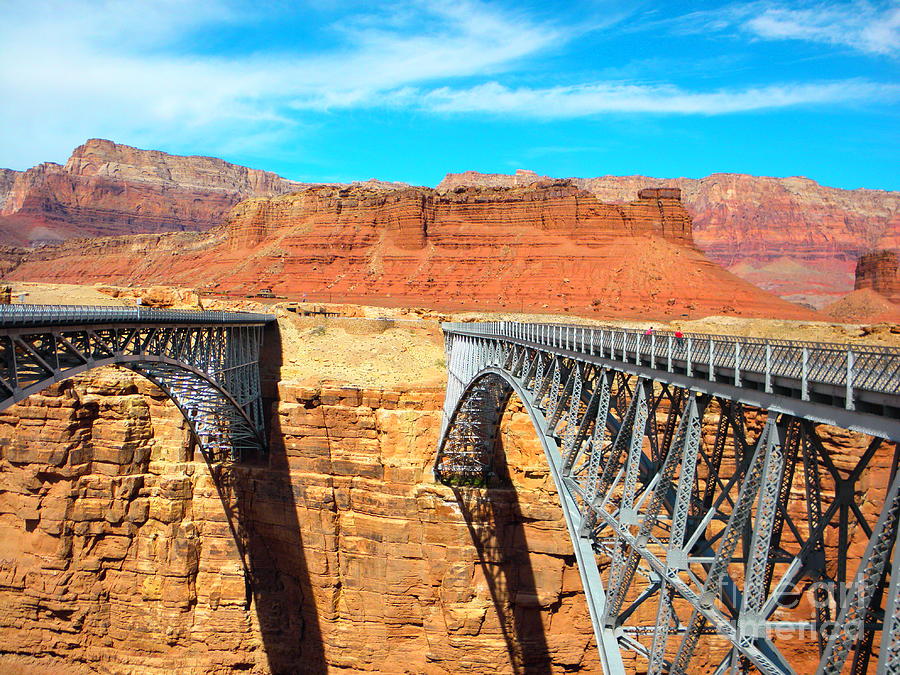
[[788, 235], [107, 189], [548, 247]]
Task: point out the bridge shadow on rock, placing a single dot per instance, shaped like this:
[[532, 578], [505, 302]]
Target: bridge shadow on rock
[[497, 526], [259, 497]]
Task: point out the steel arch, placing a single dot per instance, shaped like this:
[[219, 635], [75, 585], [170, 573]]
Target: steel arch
[[705, 528], [206, 362], [503, 385]]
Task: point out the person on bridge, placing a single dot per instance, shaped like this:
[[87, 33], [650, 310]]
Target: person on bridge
[[649, 331]]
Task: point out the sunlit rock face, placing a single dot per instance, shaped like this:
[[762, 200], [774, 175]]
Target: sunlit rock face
[[548, 247], [107, 189], [790, 235]]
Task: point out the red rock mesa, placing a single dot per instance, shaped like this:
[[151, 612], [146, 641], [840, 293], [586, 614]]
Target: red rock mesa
[[547, 247]]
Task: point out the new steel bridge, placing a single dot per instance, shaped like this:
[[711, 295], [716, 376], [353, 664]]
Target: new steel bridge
[[207, 362], [733, 503]]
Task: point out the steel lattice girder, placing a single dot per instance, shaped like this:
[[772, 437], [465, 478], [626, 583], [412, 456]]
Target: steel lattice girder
[[210, 371], [702, 532]]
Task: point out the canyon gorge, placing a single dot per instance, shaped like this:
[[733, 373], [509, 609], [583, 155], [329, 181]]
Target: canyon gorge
[[124, 552]]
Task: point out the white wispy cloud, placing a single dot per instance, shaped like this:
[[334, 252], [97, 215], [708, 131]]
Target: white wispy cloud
[[72, 69], [858, 25], [592, 99]]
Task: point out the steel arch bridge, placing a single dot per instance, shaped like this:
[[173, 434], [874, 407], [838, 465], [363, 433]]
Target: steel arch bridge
[[716, 525], [207, 362]]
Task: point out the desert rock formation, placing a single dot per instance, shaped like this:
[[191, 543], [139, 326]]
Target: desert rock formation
[[549, 247], [788, 235], [879, 271], [107, 189], [876, 294], [791, 236]]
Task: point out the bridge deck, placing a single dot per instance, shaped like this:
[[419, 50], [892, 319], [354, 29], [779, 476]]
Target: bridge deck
[[853, 386], [14, 316], [206, 361]]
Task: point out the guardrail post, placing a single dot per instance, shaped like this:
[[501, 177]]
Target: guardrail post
[[737, 364], [804, 383], [689, 350], [601, 342], [768, 368], [637, 349], [592, 342], [712, 365], [850, 405], [670, 353], [653, 350]]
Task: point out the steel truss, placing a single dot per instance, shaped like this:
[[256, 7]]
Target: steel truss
[[206, 362], [712, 535]]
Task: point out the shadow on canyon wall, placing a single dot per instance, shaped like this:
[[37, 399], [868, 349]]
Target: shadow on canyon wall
[[260, 500], [497, 527]]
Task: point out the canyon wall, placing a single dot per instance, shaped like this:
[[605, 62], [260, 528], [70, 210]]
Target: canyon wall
[[107, 189], [123, 553], [788, 235], [548, 247]]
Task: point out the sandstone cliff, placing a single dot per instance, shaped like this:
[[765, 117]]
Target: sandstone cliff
[[106, 189], [876, 294], [549, 247], [788, 235]]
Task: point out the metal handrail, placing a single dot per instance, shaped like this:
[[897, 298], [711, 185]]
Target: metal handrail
[[56, 315], [850, 367]]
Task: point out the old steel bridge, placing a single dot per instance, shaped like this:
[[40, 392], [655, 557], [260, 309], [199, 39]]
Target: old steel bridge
[[207, 362], [733, 503]]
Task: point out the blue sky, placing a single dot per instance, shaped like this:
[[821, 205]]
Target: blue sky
[[328, 90]]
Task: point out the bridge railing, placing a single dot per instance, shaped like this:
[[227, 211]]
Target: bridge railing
[[852, 368], [60, 315]]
